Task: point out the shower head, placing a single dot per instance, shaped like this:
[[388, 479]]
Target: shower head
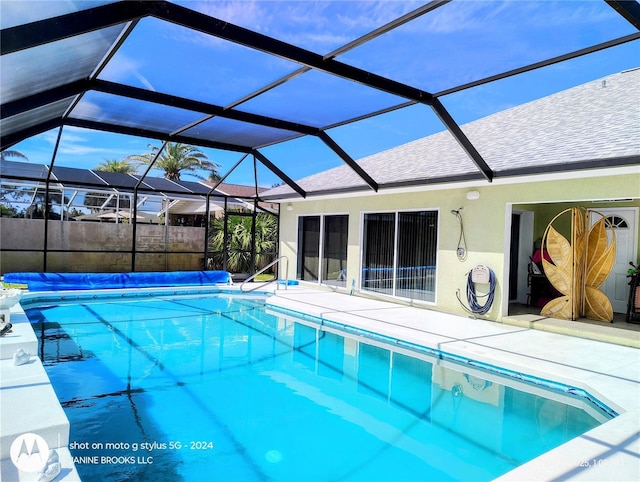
[[456, 212]]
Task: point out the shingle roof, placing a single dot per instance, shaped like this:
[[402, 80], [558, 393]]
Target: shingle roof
[[577, 128], [240, 190]]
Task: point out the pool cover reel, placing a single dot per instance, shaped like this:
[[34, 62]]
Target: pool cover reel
[[96, 281], [478, 274]]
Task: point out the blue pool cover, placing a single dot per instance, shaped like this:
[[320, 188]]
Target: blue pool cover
[[95, 281]]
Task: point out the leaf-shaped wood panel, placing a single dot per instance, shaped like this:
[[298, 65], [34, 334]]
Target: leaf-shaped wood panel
[[597, 306], [578, 268], [578, 220], [558, 248], [558, 308], [560, 278], [600, 254], [599, 269], [597, 240]]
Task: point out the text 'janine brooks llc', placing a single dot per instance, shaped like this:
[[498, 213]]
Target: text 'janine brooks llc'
[[131, 459]]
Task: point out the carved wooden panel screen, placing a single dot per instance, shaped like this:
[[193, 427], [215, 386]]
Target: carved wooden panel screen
[[579, 267]]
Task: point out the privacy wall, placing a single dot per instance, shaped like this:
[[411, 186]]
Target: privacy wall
[[98, 247]]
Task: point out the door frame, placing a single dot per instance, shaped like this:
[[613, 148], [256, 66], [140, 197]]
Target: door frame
[[525, 249], [609, 211]]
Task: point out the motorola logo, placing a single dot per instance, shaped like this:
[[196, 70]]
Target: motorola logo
[[29, 452]]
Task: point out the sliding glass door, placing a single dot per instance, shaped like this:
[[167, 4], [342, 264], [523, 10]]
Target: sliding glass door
[[334, 252], [308, 247], [416, 259], [326, 235], [378, 252], [399, 254]]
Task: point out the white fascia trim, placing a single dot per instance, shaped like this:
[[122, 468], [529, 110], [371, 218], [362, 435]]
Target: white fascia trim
[[502, 181]]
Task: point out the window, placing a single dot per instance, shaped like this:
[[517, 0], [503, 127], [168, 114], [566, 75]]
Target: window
[[326, 235], [616, 222], [399, 254]]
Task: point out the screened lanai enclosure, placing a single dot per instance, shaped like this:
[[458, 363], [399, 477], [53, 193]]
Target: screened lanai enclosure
[[275, 92], [104, 221]]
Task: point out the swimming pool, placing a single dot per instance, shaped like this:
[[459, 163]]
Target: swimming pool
[[215, 387]]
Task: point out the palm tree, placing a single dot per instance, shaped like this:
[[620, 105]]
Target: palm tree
[[176, 158], [123, 166], [266, 238], [95, 200], [6, 208], [4, 155], [214, 176], [239, 241]]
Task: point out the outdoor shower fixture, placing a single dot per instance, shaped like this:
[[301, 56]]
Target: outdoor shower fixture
[[461, 250]]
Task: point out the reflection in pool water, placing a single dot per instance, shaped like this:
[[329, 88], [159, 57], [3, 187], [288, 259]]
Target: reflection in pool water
[[217, 388]]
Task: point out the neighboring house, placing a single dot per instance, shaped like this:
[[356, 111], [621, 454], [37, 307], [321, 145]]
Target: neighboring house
[[247, 193], [122, 216], [404, 240], [192, 213]]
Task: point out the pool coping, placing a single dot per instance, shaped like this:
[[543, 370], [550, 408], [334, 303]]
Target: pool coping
[[29, 403], [608, 452]]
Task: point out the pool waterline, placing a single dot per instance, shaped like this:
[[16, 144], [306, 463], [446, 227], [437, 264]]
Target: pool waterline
[[442, 357], [460, 361]]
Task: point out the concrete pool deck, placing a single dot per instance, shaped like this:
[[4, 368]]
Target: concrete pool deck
[[29, 404], [608, 371]]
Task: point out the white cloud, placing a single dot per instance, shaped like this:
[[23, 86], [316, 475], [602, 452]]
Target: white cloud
[[236, 12], [79, 150], [317, 26], [559, 14], [369, 15], [242, 13], [80, 142], [458, 17], [20, 12], [122, 67], [87, 110]]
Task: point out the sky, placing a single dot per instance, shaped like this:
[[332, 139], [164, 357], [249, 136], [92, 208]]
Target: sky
[[458, 43]]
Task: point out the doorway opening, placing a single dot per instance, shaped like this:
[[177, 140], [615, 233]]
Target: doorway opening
[[528, 223]]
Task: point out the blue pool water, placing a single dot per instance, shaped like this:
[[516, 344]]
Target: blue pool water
[[206, 388]]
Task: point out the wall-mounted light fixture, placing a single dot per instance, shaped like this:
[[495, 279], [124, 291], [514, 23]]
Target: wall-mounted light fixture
[[289, 207], [473, 195]]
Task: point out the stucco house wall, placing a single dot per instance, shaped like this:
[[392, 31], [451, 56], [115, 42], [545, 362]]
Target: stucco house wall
[[577, 147], [486, 222]]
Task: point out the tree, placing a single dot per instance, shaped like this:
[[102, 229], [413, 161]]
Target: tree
[[6, 154], [176, 158], [96, 200], [123, 166], [214, 176], [7, 211], [39, 205], [239, 241]]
